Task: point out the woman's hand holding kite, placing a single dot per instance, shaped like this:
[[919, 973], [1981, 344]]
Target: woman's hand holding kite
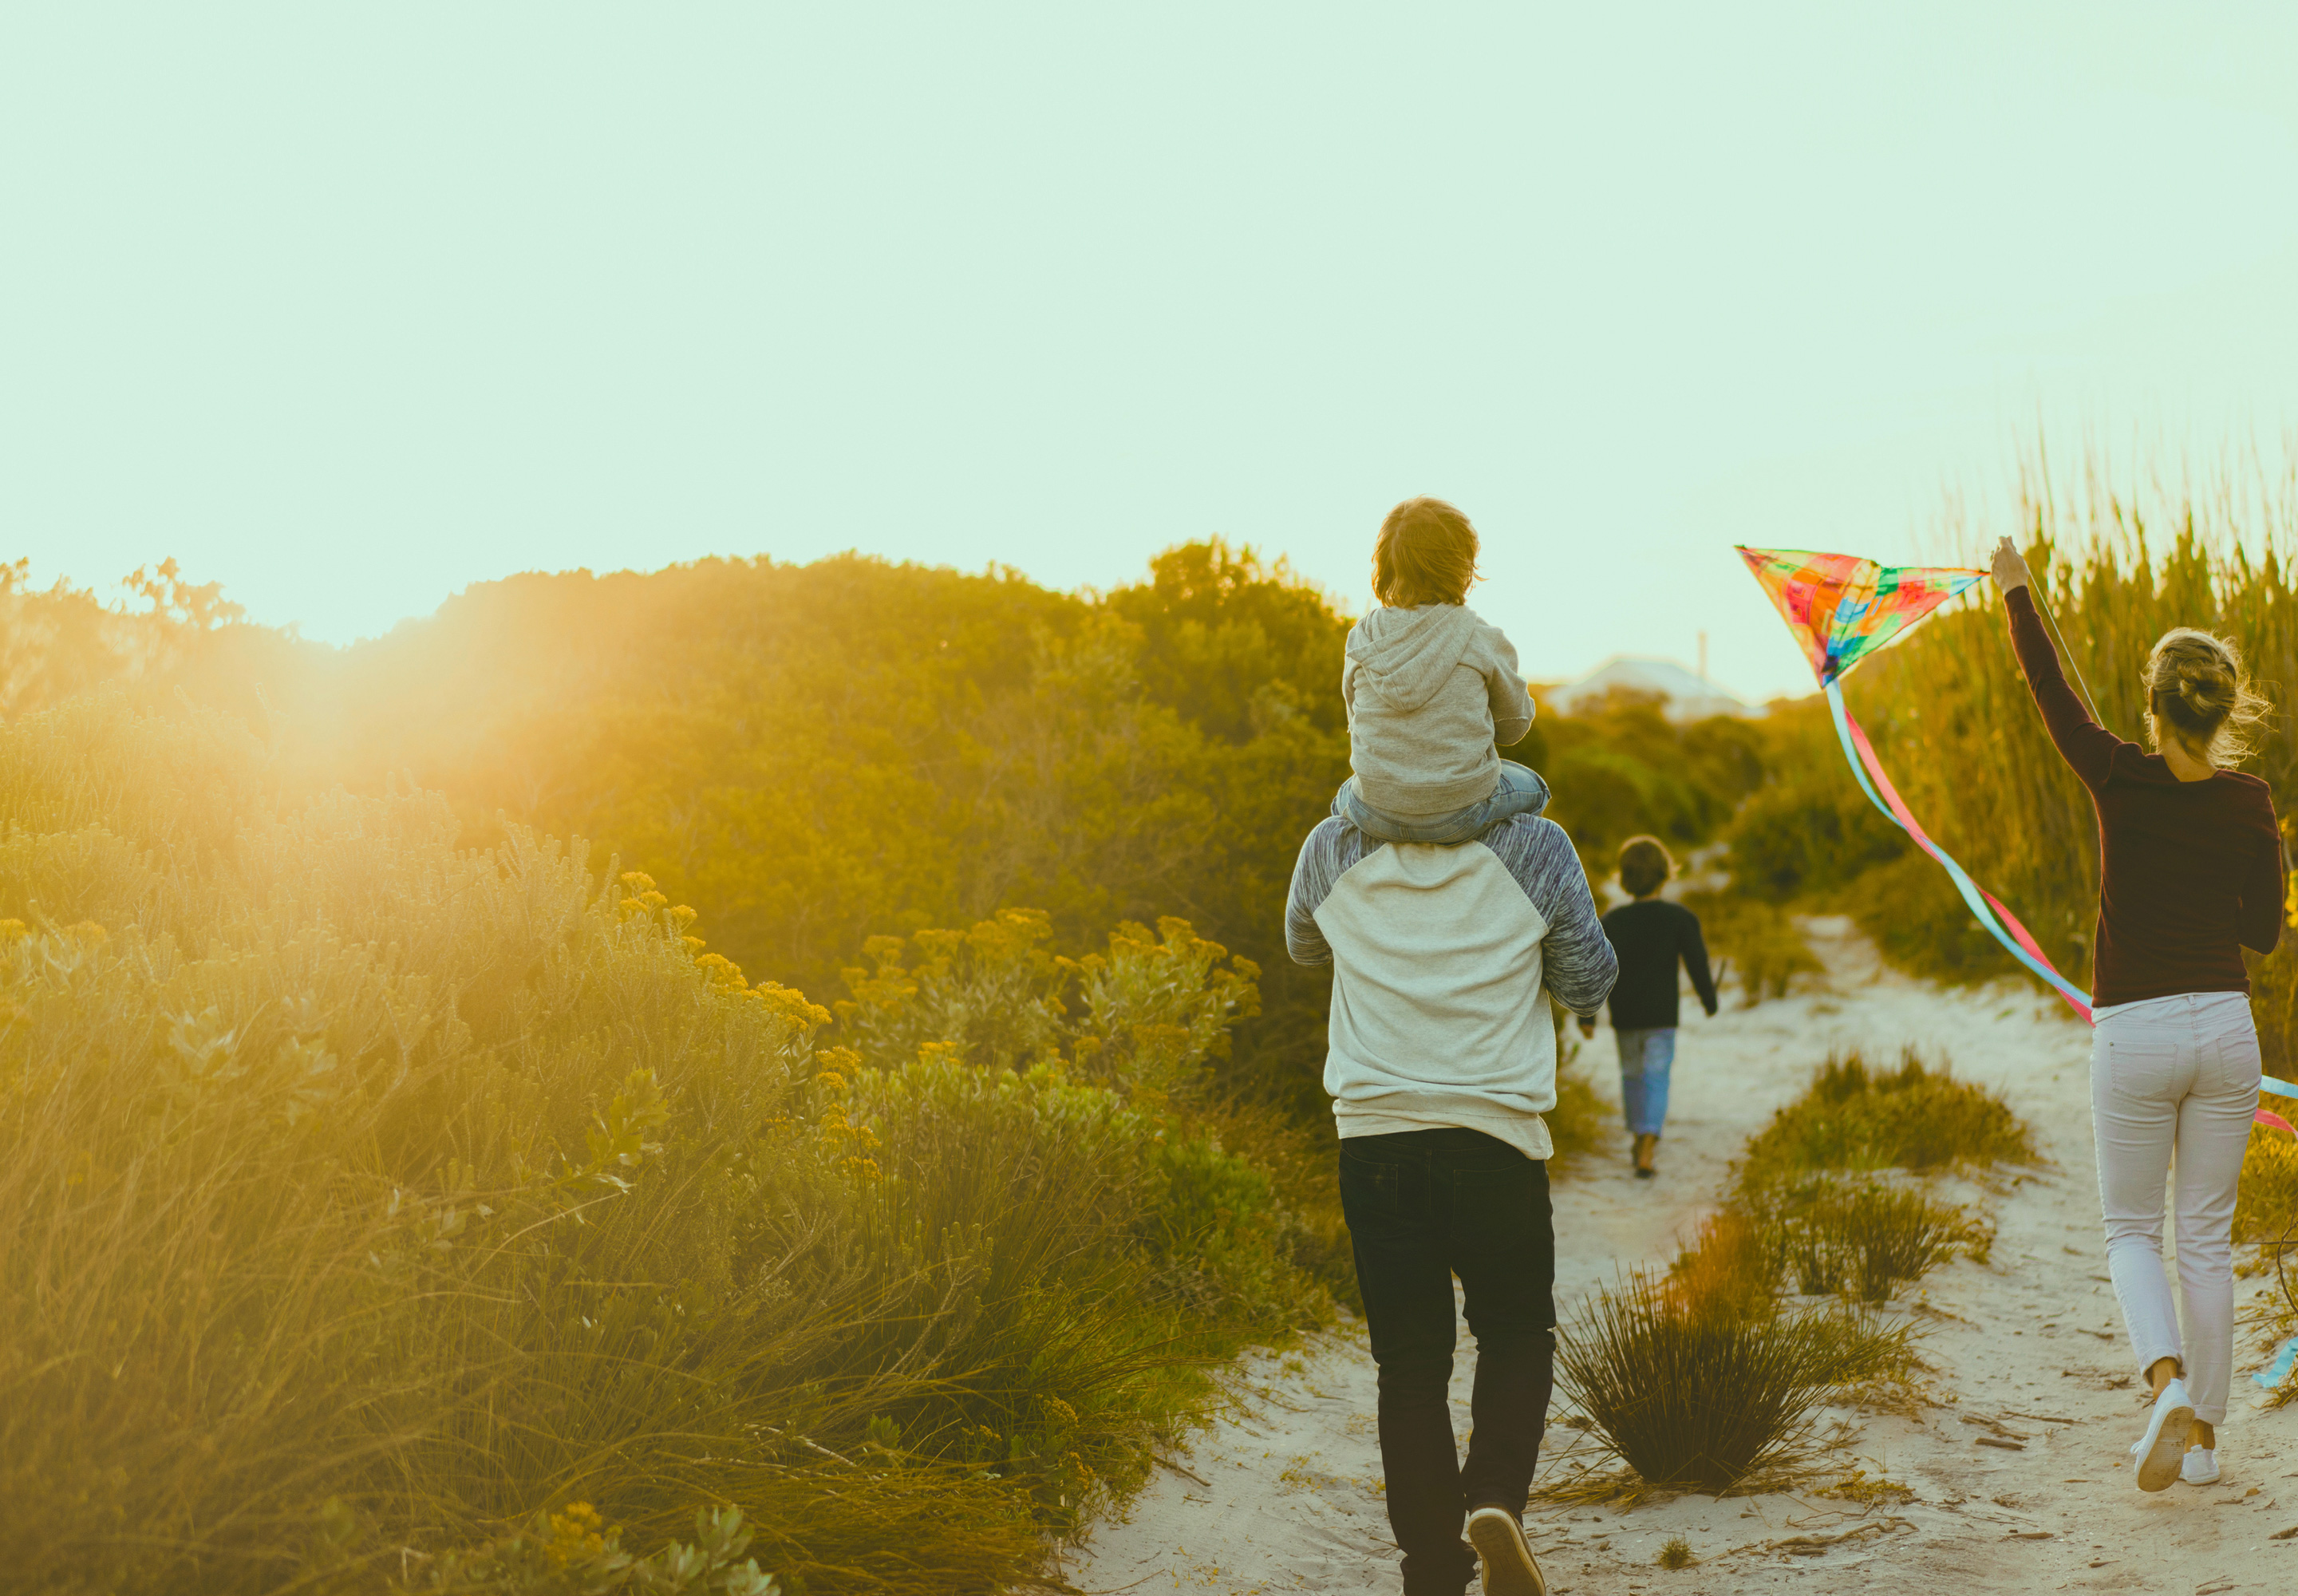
[[2010, 568]]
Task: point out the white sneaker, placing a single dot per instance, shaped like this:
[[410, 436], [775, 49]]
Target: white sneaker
[[2201, 1467], [2160, 1454], [1504, 1554]]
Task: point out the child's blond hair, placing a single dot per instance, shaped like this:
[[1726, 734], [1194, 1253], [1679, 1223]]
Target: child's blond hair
[[1425, 554]]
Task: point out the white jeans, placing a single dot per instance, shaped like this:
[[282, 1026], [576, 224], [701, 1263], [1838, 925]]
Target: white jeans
[[2175, 1071]]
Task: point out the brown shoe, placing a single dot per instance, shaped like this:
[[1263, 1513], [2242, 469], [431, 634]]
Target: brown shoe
[[1646, 1150]]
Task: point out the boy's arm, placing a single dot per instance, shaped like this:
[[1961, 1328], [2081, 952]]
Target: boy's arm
[[1512, 705], [1694, 949]]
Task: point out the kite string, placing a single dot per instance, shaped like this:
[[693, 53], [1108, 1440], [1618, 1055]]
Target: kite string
[[2065, 653]]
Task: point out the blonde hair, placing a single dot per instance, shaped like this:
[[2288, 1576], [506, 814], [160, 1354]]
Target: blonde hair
[[2195, 682], [1644, 866], [1425, 554]]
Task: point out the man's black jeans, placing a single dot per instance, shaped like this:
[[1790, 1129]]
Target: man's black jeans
[[1422, 1206]]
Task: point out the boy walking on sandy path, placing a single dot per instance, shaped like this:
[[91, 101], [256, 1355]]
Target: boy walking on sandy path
[[1440, 1059], [1651, 937]]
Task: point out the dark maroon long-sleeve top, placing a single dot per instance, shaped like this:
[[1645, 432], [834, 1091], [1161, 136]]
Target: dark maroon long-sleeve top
[[2190, 872]]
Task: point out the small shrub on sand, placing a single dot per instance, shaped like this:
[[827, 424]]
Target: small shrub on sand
[[1675, 1554], [1910, 1118], [1693, 1395], [1864, 1239], [2267, 1204]]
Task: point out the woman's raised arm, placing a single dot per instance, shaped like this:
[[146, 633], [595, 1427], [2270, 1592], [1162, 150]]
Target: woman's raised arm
[[2087, 748]]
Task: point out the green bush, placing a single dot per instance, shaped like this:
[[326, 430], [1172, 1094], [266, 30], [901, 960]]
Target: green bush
[[1910, 1118], [370, 1196], [1914, 915], [1754, 942], [1808, 830]]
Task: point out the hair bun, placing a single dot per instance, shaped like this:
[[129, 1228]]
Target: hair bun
[[2195, 681], [2204, 686]]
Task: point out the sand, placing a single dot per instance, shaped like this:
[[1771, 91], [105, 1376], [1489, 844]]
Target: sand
[[2019, 1478]]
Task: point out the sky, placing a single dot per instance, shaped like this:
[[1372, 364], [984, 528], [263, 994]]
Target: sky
[[349, 307]]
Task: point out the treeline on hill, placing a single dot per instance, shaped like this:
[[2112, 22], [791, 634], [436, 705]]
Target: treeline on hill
[[402, 1199], [818, 753]]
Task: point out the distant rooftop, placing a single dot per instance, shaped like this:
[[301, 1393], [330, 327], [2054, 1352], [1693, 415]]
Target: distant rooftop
[[1687, 695]]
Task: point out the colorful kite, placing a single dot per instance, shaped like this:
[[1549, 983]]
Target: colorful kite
[[1842, 609]]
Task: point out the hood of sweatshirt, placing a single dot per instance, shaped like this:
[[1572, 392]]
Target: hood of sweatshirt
[[1406, 654]]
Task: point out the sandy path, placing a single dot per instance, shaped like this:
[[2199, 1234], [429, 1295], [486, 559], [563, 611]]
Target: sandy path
[[1283, 1494]]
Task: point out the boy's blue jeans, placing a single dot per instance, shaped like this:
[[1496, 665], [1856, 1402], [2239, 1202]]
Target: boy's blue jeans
[[1521, 791], [1645, 1059]]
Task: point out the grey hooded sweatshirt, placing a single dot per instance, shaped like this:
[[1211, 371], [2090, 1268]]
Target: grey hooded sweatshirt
[[1429, 692]]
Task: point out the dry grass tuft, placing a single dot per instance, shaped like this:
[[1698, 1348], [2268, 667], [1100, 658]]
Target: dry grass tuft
[[1675, 1554], [1694, 1396], [1703, 1378], [1865, 1237]]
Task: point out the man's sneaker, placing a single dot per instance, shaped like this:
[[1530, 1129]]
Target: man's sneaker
[[2159, 1455], [1505, 1555], [2201, 1467]]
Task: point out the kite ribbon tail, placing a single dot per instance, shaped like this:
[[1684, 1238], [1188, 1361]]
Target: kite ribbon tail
[[2267, 1116], [1880, 791]]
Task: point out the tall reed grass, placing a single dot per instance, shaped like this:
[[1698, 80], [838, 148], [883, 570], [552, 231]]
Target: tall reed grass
[[370, 1197], [2119, 560]]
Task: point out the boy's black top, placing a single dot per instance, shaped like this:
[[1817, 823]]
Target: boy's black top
[[1649, 935]]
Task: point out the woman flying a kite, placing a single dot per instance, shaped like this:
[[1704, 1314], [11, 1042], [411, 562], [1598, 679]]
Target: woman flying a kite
[[2190, 874]]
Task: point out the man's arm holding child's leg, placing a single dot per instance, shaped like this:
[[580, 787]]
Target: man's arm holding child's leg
[[1577, 961], [1330, 850]]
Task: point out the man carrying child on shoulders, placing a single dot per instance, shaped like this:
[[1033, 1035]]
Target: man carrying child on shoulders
[[1445, 906]]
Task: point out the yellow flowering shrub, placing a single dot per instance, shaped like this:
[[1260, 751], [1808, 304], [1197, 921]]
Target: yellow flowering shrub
[[414, 1188]]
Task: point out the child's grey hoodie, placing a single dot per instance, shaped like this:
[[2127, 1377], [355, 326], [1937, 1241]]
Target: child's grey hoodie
[[1429, 691]]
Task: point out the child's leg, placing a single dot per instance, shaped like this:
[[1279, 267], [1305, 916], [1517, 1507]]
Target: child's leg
[[1444, 830], [1660, 1062], [1631, 1078], [1521, 791]]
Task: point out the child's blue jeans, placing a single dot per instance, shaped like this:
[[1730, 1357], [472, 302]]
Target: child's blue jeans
[[1521, 791], [1645, 1058]]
